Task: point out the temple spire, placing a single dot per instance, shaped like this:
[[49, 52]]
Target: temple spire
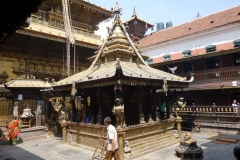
[[117, 10], [134, 12]]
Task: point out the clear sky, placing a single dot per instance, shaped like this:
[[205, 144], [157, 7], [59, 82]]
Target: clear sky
[[153, 11]]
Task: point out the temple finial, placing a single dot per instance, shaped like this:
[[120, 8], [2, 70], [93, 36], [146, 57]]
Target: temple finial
[[117, 10], [134, 12]]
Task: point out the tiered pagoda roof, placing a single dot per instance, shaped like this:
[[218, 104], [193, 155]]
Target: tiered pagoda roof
[[119, 61]]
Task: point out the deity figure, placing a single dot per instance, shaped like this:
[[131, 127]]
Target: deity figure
[[83, 117], [187, 136], [181, 104], [150, 120], [98, 119], [157, 117], [92, 120], [118, 110], [142, 121], [56, 103]]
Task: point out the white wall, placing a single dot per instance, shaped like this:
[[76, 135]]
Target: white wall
[[216, 36]]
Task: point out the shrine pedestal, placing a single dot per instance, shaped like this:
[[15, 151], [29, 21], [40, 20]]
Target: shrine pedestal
[[26, 122], [189, 150]]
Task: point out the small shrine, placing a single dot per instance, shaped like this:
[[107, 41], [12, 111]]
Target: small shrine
[[188, 149], [28, 102], [118, 84]]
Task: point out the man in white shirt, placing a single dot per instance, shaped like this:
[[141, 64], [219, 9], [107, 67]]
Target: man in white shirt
[[112, 146], [235, 105]]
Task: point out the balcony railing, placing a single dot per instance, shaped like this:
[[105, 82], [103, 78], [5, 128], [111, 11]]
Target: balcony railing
[[228, 73]]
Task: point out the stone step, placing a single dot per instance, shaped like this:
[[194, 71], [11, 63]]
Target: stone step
[[33, 138], [151, 143], [147, 137], [152, 148], [150, 139]]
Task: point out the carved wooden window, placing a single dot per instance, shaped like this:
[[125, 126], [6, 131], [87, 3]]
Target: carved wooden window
[[210, 48], [236, 43], [166, 57], [186, 53]]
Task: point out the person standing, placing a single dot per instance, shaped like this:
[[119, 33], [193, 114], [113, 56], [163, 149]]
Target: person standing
[[235, 105], [162, 106], [112, 143], [14, 130]]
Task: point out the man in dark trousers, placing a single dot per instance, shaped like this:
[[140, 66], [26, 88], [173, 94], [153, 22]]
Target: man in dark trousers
[[112, 146]]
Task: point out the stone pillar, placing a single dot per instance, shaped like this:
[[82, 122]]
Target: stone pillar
[[64, 133], [178, 122], [121, 136]]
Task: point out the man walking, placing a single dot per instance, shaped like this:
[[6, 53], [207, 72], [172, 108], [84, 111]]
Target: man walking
[[112, 146]]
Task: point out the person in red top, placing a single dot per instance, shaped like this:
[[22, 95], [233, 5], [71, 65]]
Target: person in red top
[[14, 130]]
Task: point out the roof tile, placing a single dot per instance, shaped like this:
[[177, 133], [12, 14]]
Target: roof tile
[[218, 19]]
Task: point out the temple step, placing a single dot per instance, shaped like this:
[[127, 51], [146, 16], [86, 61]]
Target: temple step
[[152, 143], [152, 148], [33, 133], [162, 140], [147, 138]]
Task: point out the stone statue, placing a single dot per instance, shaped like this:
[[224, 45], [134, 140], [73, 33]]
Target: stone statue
[[180, 103], [127, 149], [157, 117], [165, 86], [142, 121], [99, 119], [92, 119], [39, 111], [150, 120], [118, 110], [83, 117]]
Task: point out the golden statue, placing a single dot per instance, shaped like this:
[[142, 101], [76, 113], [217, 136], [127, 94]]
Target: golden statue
[[118, 110], [181, 104]]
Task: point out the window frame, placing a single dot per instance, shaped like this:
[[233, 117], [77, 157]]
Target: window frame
[[166, 57], [237, 41], [189, 52], [212, 48]]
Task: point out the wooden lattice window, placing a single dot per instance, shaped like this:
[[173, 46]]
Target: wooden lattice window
[[210, 48]]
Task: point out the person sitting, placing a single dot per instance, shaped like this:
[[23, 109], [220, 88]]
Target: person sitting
[[14, 130]]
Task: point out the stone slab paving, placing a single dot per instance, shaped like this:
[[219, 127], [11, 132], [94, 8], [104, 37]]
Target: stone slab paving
[[52, 149], [46, 149]]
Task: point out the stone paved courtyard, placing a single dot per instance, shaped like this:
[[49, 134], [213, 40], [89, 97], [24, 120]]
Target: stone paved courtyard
[[52, 149]]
